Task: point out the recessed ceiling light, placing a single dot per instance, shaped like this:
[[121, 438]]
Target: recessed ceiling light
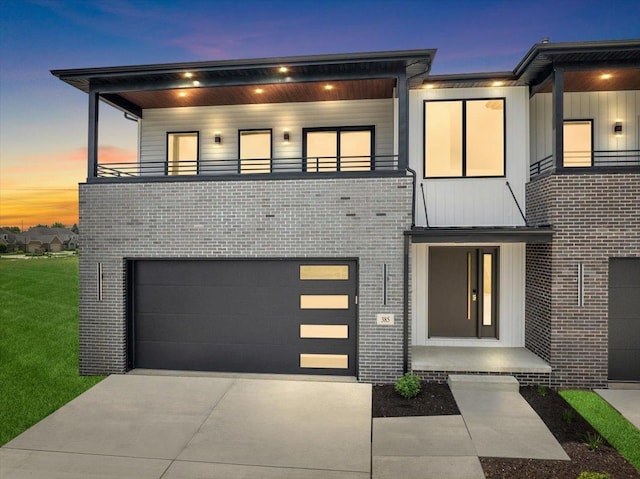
[[498, 83], [259, 90], [188, 75], [429, 86], [182, 93], [283, 69], [196, 83], [328, 87], [606, 76]]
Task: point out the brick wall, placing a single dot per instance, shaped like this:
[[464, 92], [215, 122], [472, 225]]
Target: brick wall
[[594, 217], [329, 217]]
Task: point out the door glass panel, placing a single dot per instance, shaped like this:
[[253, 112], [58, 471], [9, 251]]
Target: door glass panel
[[355, 150], [255, 151], [328, 331], [577, 143], [487, 289], [334, 361], [324, 301], [322, 151], [182, 153], [323, 271]]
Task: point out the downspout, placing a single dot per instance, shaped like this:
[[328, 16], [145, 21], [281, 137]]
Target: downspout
[[413, 196], [405, 289]]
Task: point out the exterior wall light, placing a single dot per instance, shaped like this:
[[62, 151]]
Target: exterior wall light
[[286, 137], [617, 128], [218, 139]]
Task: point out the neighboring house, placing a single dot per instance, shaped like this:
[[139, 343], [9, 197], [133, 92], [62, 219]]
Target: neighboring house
[[10, 239], [352, 214], [45, 239]]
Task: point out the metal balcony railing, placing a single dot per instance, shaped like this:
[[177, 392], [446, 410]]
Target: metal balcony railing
[[608, 160], [243, 167]]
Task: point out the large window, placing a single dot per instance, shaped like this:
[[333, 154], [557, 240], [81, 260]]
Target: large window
[[255, 151], [338, 149], [182, 153], [578, 143], [464, 138]]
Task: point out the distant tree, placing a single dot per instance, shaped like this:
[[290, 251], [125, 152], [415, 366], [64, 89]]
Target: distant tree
[[75, 229], [57, 225], [3, 248], [40, 225], [13, 229]]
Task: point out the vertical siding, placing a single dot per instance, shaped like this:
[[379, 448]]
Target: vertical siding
[[511, 302], [603, 107], [280, 117], [473, 201]]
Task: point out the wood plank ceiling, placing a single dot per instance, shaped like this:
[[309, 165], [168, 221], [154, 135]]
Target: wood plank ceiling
[[594, 80], [271, 93]]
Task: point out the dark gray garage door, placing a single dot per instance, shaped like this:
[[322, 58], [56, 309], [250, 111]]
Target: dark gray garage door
[[624, 319], [265, 316]]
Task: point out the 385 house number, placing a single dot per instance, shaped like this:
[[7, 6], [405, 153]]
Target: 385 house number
[[385, 319]]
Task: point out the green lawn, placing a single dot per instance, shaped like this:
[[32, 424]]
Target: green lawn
[[38, 341], [620, 433]]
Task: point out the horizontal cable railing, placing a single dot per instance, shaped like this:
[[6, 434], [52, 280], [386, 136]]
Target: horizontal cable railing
[[227, 167], [602, 159]]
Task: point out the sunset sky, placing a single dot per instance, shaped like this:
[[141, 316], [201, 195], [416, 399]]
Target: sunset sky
[[43, 121]]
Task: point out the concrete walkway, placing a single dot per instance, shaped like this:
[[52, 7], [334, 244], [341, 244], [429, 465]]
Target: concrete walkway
[[625, 401], [149, 427]]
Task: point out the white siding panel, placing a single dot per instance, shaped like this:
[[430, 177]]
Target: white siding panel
[[603, 107], [281, 117], [473, 201], [511, 305]]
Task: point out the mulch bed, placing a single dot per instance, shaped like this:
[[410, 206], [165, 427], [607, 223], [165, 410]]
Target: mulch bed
[[436, 399]]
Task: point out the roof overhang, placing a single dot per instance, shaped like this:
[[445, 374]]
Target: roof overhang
[[506, 234], [364, 75]]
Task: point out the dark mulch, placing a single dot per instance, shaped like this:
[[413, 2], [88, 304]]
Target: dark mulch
[[433, 400], [436, 399]]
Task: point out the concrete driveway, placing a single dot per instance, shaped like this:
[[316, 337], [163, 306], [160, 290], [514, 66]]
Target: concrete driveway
[[173, 427]]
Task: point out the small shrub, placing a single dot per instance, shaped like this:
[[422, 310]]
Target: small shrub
[[568, 416], [542, 390], [593, 475], [593, 440], [408, 386]]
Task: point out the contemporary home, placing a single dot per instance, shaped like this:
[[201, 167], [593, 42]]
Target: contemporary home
[[353, 214]]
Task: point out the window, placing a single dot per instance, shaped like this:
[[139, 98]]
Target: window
[[182, 153], [578, 143], [464, 138], [255, 151], [338, 149]]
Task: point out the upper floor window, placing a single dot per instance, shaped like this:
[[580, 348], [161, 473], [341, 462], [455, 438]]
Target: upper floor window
[[182, 153], [578, 143], [338, 148], [464, 138], [255, 151]]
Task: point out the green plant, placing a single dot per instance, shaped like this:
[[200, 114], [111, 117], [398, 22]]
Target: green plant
[[593, 475], [408, 386], [568, 415], [542, 390], [593, 440]]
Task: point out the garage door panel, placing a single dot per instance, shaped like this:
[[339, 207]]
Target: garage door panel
[[624, 333], [240, 315], [624, 365], [627, 301]]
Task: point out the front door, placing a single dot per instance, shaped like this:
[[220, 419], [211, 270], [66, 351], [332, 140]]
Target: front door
[[463, 292]]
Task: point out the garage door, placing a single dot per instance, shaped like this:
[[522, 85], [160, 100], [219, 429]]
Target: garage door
[[264, 316], [624, 319]]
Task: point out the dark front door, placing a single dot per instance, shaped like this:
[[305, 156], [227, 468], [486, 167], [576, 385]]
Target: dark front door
[[463, 292], [263, 316], [624, 319]]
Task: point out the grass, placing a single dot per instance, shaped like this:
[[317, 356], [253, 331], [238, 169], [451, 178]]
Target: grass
[[619, 432], [38, 341]]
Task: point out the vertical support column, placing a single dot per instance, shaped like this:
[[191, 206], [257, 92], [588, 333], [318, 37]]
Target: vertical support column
[[92, 150], [557, 119], [403, 121]]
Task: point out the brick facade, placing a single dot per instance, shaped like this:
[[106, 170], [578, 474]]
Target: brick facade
[[360, 218], [594, 217]]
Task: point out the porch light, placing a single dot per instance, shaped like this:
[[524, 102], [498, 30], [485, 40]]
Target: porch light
[[182, 94], [196, 83], [605, 76], [217, 139], [498, 83], [259, 91], [617, 128], [188, 75], [428, 86], [328, 87], [283, 69], [286, 137]]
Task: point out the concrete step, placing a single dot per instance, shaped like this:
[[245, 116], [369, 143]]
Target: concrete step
[[483, 383]]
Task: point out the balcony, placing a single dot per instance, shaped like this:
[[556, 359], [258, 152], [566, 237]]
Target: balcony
[[603, 161]]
